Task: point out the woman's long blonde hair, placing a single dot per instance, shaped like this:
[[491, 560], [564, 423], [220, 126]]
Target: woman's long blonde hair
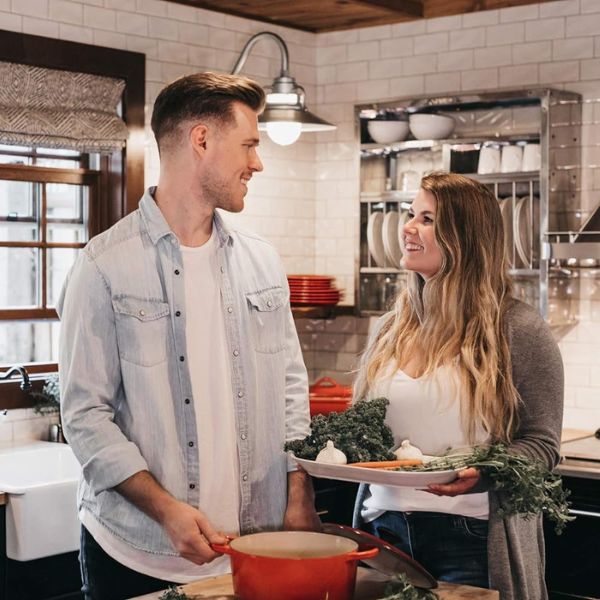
[[458, 314]]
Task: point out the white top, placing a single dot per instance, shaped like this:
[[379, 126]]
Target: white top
[[426, 411], [213, 403]]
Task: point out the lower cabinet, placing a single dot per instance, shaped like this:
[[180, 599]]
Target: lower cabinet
[[334, 500], [52, 578]]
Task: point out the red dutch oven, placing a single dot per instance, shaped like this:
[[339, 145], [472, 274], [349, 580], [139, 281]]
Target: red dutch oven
[[293, 565]]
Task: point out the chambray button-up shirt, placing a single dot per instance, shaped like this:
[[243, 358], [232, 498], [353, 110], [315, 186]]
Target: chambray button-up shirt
[[125, 385]]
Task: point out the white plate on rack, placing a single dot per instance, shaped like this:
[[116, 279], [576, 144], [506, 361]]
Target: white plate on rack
[[412, 479], [391, 243], [506, 208], [374, 238], [400, 233], [526, 229]]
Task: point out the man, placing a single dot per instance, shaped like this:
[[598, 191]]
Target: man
[[180, 367]]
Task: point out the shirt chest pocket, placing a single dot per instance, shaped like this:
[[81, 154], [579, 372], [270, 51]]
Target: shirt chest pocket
[[267, 319], [142, 329]]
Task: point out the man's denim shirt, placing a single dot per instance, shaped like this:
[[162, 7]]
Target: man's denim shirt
[[126, 394]]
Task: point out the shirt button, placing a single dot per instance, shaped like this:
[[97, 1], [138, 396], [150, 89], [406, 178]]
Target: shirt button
[[192, 486], [243, 436], [236, 352], [142, 313], [240, 394], [191, 444], [269, 303], [245, 477], [178, 313], [176, 271], [229, 309], [187, 400], [222, 269], [182, 358]]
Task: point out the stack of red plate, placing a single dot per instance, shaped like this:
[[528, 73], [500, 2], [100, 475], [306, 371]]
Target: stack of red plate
[[313, 290]]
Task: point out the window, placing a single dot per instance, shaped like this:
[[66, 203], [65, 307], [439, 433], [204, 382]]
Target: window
[[48, 207]]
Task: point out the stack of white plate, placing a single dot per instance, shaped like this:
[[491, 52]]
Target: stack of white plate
[[384, 238]]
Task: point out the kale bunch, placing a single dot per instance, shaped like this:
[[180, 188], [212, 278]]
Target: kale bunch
[[359, 432], [173, 593], [400, 588]]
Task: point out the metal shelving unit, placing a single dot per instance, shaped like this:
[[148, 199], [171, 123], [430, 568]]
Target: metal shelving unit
[[546, 197]]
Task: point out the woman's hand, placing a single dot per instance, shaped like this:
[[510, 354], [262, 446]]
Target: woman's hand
[[466, 481]]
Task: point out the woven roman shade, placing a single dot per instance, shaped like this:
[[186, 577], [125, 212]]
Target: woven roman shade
[[60, 109]]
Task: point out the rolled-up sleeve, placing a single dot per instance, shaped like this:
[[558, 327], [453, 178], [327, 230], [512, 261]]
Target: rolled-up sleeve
[[90, 379]]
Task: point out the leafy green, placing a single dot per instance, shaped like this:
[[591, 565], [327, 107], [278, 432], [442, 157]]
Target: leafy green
[[359, 432], [48, 400], [526, 486], [172, 593], [400, 588]]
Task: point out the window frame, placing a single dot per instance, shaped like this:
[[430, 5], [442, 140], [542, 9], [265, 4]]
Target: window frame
[[121, 179]]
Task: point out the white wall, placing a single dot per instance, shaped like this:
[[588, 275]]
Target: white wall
[[306, 201]]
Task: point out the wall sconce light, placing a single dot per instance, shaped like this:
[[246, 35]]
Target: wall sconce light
[[285, 116]]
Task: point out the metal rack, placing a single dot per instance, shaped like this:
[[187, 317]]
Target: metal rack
[[547, 198]]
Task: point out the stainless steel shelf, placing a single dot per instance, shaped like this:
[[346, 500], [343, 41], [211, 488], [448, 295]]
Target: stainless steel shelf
[[437, 144], [381, 270], [516, 177]]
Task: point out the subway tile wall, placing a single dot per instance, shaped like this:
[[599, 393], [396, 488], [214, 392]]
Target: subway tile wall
[[306, 200]]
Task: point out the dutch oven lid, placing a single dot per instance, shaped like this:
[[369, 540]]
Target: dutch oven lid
[[390, 560]]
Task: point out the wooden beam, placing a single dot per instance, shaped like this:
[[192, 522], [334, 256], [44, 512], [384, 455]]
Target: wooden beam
[[414, 8]]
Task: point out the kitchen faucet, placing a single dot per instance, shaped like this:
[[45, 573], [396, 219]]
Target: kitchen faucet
[[25, 383]]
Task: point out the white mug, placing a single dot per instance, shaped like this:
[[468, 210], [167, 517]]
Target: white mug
[[532, 157], [489, 160], [512, 158]]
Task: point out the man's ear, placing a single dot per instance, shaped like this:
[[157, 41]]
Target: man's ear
[[198, 137]]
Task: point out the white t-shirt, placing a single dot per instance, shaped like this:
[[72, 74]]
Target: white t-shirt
[[426, 411], [210, 373]]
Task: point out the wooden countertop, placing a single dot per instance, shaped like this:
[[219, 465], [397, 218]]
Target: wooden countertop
[[369, 586], [568, 435]]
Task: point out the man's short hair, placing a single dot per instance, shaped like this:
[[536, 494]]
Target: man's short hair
[[202, 96]]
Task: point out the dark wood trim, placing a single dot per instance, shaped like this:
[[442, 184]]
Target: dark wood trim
[[41, 244], [84, 58], [15, 314], [12, 396], [48, 174], [413, 8]]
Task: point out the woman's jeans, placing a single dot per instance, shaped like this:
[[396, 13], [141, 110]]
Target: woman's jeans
[[451, 547], [106, 579]]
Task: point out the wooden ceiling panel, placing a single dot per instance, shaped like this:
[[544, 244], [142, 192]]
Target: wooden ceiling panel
[[331, 15]]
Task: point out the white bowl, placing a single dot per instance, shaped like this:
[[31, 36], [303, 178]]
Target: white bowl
[[386, 132], [431, 127]]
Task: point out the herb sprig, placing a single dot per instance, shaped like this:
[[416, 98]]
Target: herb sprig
[[173, 593], [400, 588], [525, 485]]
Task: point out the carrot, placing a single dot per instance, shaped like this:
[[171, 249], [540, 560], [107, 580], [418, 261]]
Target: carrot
[[389, 464]]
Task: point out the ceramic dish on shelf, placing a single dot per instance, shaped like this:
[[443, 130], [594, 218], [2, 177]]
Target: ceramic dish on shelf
[[527, 230], [412, 479], [402, 220], [391, 244], [506, 208], [374, 238]]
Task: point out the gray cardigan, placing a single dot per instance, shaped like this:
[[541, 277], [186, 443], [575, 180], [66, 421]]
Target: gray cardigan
[[516, 545]]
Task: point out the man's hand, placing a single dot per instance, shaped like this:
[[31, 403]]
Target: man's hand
[[300, 514], [466, 481], [188, 529], [191, 532]]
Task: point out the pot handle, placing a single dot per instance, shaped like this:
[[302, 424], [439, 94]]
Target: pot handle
[[223, 548], [362, 554]]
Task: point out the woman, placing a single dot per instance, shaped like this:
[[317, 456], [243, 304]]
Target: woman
[[462, 363]]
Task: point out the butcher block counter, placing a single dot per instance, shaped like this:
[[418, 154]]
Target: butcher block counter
[[369, 586]]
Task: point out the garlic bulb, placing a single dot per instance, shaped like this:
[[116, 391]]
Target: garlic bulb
[[330, 454], [407, 451]]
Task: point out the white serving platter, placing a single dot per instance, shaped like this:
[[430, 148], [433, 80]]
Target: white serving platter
[[412, 479]]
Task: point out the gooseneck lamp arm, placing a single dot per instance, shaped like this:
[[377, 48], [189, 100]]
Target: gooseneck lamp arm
[[285, 115], [285, 58]]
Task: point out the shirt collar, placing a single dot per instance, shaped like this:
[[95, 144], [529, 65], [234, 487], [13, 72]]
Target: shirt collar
[[157, 226]]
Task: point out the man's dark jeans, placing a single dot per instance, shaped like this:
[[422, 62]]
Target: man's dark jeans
[[106, 579]]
